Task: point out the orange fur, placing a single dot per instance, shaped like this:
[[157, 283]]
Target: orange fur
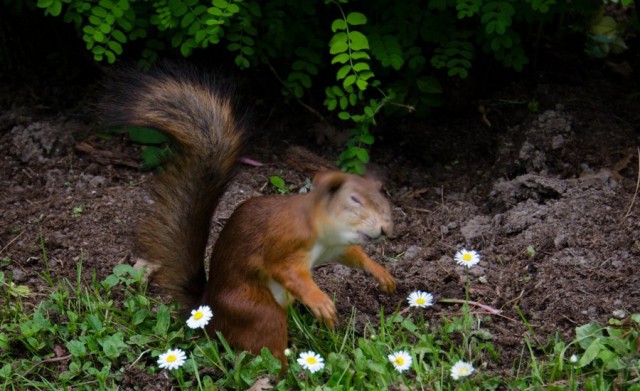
[[263, 258]]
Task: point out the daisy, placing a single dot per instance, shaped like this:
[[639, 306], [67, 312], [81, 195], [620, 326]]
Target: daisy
[[172, 359], [311, 361], [467, 258], [461, 369], [401, 360], [420, 299], [200, 317]]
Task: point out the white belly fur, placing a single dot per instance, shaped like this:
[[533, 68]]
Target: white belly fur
[[279, 293]]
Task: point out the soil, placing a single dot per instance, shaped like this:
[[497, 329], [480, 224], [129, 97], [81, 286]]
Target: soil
[[546, 196]]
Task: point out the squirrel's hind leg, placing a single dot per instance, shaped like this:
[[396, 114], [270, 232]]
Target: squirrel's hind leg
[[251, 320]]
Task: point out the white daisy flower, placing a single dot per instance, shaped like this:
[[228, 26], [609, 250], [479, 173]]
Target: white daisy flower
[[287, 352], [401, 360], [172, 359], [311, 361], [573, 359], [420, 299], [200, 317], [467, 258], [461, 369]]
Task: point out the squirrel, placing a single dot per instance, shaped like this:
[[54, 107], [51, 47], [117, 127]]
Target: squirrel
[[263, 257]]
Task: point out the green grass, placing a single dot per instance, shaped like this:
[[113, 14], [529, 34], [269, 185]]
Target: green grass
[[90, 335]]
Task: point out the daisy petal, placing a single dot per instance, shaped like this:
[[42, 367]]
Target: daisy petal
[[401, 360], [467, 258], [311, 361], [461, 369], [172, 359], [200, 317], [420, 299]]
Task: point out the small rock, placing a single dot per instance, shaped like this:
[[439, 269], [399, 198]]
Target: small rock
[[476, 228], [40, 141], [97, 181], [635, 248], [620, 314], [411, 252], [18, 275], [476, 271], [341, 271], [557, 142], [560, 241]]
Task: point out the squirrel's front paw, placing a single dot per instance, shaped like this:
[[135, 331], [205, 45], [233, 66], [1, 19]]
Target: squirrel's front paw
[[325, 311], [387, 282]]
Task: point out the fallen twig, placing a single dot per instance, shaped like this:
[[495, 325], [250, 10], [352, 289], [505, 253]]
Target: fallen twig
[[11, 241], [139, 357], [485, 307], [633, 200], [49, 360], [250, 162]]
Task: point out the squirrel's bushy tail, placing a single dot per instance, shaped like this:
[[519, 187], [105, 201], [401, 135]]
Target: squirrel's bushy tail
[[198, 117]]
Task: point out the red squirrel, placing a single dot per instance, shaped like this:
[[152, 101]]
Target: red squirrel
[[263, 258]]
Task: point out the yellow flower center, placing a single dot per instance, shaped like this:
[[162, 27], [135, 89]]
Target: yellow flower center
[[399, 360], [466, 257], [420, 300], [464, 371], [171, 358], [311, 360], [198, 315]]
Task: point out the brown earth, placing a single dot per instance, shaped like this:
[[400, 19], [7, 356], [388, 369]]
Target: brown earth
[[559, 181]]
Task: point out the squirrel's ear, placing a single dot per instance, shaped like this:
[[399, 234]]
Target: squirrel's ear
[[376, 179], [328, 182], [376, 182]]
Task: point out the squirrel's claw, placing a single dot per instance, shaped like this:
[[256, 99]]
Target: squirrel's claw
[[387, 282], [325, 311]]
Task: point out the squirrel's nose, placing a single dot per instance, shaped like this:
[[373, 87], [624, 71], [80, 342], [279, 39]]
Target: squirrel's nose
[[386, 230]]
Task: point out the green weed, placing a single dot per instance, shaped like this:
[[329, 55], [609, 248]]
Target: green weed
[[381, 54], [91, 334]]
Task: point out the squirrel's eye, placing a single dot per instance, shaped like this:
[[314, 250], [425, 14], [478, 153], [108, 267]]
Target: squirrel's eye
[[356, 200]]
